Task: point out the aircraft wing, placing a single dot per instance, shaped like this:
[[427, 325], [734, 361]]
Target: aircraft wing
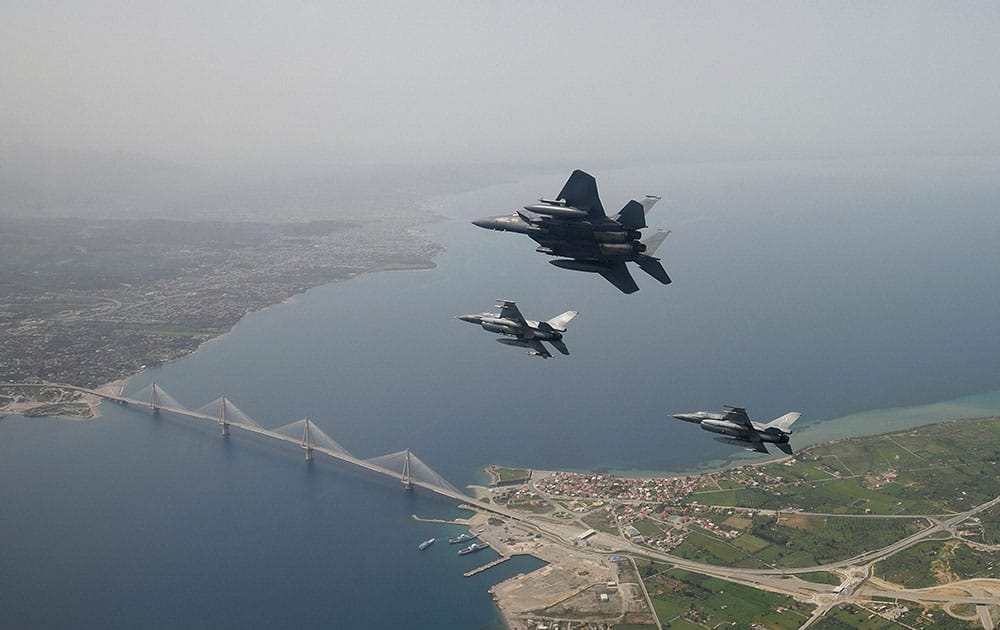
[[739, 416], [580, 191], [618, 275], [509, 310], [747, 444]]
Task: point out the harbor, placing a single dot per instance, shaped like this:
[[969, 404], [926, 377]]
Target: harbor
[[488, 565]]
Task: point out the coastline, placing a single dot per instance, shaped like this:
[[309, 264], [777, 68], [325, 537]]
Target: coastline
[[515, 597], [116, 386], [860, 424]]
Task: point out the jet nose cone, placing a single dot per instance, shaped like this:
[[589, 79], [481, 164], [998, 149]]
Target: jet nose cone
[[687, 417], [472, 319], [493, 223]]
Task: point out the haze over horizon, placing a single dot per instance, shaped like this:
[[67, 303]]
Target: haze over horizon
[[225, 85]]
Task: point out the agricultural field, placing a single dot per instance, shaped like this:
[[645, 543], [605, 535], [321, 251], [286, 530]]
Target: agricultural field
[[936, 469], [831, 496], [904, 614], [938, 562], [602, 521], [796, 540], [701, 546], [504, 475], [688, 600], [991, 525], [819, 577]]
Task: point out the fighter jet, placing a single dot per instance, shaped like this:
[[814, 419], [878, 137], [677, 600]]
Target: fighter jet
[[741, 431], [575, 227], [524, 333]]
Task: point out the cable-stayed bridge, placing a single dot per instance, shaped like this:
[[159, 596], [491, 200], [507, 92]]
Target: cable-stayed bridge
[[402, 465]]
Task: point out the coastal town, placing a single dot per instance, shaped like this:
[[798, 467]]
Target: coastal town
[[835, 547], [92, 301]]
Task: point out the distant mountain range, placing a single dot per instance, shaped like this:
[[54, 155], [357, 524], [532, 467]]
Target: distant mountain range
[[46, 181], [56, 182]]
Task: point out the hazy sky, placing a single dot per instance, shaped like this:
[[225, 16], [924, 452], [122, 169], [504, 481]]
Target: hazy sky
[[442, 81]]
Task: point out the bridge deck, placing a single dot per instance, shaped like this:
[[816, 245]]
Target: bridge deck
[[344, 457]]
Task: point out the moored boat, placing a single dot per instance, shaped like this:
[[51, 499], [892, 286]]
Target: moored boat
[[473, 547]]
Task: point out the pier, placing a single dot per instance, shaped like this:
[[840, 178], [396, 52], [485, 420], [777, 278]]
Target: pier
[[488, 565]]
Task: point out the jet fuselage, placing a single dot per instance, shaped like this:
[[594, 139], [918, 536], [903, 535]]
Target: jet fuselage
[[732, 429], [718, 423], [581, 239], [510, 327]]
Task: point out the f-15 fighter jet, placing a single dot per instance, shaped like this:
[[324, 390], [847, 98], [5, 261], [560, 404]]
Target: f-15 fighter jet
[[742, 431], [575, 227], [524, 333]]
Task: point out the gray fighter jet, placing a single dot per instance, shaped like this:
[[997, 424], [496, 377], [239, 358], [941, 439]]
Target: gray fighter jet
[[741, 431], [524, 333], [575, 227]]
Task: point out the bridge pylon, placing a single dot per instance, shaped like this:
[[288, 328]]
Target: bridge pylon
[[307, 440], [154, 400], [407, 479], [223, 417]]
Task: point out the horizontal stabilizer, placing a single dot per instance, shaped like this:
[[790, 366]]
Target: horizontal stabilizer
[[559, 345], [653, 267], [784, 447], [750, 446], [618, 275], [633, 216], [533, 346]]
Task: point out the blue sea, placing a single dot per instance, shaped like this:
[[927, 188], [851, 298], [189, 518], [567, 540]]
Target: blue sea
[[827, 287]]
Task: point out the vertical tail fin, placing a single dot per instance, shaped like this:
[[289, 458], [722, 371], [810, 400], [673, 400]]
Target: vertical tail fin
[[559, 321], [633, 215], [648, 203], [654, 242], [784, 422]]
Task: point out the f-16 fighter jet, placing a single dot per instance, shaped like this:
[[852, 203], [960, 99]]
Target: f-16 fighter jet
[[741, 431], [575, 227], [524, 333]]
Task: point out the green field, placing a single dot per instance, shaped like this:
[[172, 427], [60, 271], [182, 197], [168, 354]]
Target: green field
[[796, 541], [502, 474], [913, 567], [931, 470], [648, 527], [819, 577], [701, 546], [991, 524], [938, 562], [851, 617], [601, 521], [688, 600]]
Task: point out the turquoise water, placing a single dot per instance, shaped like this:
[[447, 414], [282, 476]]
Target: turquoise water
[[816, 287]]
